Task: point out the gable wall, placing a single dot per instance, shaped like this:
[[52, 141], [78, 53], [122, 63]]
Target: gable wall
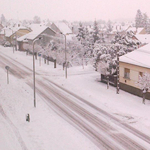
[[54, 27], [22, 32]]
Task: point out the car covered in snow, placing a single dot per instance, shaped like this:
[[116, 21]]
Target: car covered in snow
[[7, 44]]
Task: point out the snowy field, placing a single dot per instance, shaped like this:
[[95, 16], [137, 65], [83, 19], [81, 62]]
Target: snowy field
[[47, 130]]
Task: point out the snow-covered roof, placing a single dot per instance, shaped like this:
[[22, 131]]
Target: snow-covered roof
[[70, 37], [8, 32], [143, 38], [135, 30], [23, 37], [139, 57], [63, 27], [35, 26], [132, 29], [33, 34], [22, 27]]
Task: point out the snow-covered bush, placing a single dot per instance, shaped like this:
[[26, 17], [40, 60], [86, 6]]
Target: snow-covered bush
[[144, 81], [144, 84]]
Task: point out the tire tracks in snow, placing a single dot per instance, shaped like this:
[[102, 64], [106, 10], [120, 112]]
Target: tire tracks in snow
[[104, 113], [15, 130], [104, 131]]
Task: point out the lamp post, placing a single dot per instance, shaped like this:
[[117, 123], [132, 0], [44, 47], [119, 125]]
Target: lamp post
[[34, 71], [117, 69], [65, 53], [12, 41]]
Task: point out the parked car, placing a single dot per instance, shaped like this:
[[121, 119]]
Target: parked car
[[7, 44]]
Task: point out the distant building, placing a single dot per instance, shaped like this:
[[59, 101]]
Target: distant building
[[61, 27], [10, 34], [137, 31]]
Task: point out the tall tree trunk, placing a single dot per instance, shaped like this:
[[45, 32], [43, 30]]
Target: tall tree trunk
[[55, 63], [144, 98], [107, 82]]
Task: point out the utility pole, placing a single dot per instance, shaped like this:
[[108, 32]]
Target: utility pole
[[117, 69], [13, 41], [66, 64]]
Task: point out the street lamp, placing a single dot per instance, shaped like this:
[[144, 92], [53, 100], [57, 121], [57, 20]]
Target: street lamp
[[65, 53], [34, 71], [12, 41]]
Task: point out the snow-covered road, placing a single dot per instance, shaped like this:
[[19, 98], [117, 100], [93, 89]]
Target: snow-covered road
[[106, 131]]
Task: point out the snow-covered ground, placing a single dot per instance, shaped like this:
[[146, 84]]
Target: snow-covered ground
[[47, 130]]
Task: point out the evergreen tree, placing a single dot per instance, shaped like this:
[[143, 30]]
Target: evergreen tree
[[87, 39], [145, 21], [95, 32], [109, 26], [3, 19], [86, 34], [139, 19], [148, 26], [81, 32]]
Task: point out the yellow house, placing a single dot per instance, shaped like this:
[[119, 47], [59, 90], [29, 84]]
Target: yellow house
[[131, 66], [141, 31], [22, 31], [12, 34]]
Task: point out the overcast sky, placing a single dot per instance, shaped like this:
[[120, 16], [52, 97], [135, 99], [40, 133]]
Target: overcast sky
[[73, 10]]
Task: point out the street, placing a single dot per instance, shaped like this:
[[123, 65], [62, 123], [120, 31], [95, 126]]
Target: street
[[103, 129]]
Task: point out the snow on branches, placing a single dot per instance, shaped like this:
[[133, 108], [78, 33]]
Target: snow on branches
[[105, 59], [144, 82], [126, 40]]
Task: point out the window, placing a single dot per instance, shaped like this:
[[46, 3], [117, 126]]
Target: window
[[127, 73], [141, 74]]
